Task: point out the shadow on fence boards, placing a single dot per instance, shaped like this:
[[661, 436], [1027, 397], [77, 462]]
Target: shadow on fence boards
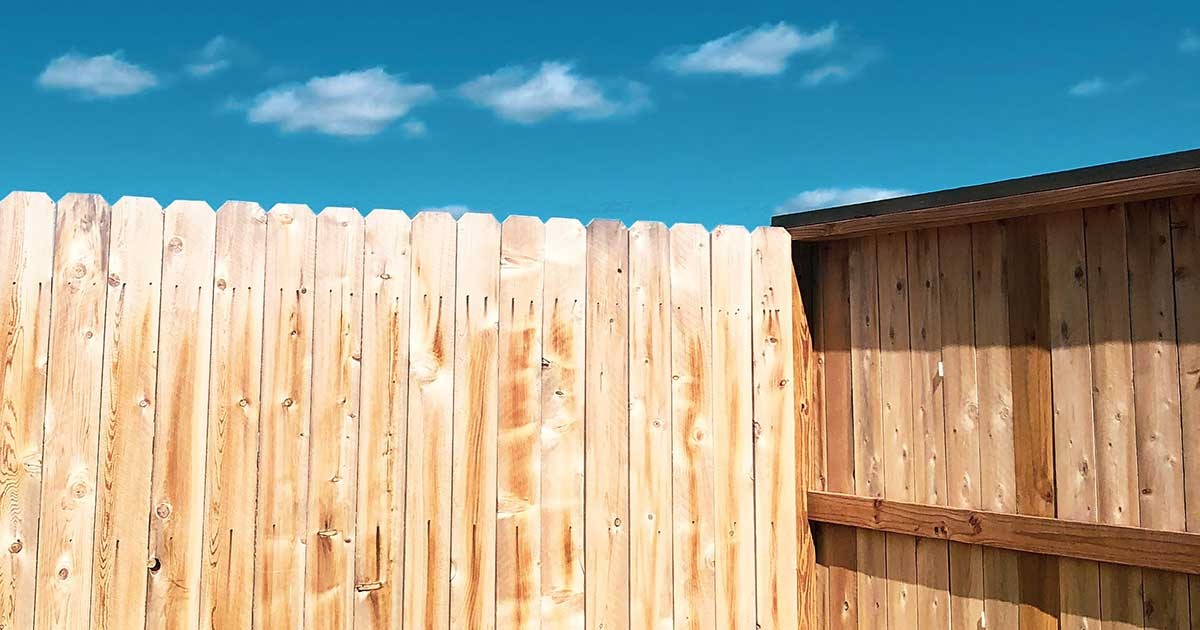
[[249, 419]]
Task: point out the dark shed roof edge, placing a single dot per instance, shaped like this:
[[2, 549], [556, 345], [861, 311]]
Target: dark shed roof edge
[[1113, 171]]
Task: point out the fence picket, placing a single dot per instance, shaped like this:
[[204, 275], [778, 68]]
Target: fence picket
[[563, 331], [384, 421], [128, 404], [177, 496], [73, 403], [26, 266], [227, 575]]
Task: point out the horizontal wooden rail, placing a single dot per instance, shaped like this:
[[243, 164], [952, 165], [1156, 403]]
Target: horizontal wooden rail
[[1133, 546], [941, 214]]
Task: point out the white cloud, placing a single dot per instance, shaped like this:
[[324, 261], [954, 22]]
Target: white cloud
[[1090, 87], [833, 197], [750, 52], [1190, 42], [102, 76], [523, 95], [828, 73], [415, 128], [455, 210], [215, 56], [360, 103]]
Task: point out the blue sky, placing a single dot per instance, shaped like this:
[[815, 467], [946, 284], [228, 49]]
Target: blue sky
[[710, 113]]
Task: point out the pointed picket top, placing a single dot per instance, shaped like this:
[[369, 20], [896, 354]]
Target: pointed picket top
[[602, 224], [247, 209], [339, 216], [386, 216], [433, 216], [187, 215], [688, 228], [730, 230], [27, 199], [286, 213], [521, 219], [647, 229], [565, 225], [89, 207], [137, 205], [479, 219]]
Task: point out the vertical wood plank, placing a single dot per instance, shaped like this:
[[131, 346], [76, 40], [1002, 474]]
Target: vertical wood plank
[[871, 561], [929, 420], [180, 430], [519, 527], [606, 431], [733, 417], [1157, 399], [775, 431], [474, 573], [838, 550], [1185, 243], [430, 421], [333, 443], [650, 389], [72, 424], [127, 410], [563, 330], [1033, 421], [1074, 429], [960, 388], [1112, 403], [280, 531], [384, 421], [692, 427], [806, 376], [227, 578], [900, 473], [26, 265], [999, 477]]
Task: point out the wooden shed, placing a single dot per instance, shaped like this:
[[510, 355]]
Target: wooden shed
[[1008, 409]]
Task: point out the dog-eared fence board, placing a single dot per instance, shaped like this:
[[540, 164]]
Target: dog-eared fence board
[[1066, 383]]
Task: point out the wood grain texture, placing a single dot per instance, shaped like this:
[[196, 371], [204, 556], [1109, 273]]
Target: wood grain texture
[[775, 430], [1085, 540], [1008, 207], [929, 420], [477, 499], [692, 453], [999, 476], [1157, 399], [181, 427], [73, 403], [1112, 402], [606, 551], [127, 412], [286, 417], [383, 425], [564, 304], [26, 266], [899, 469], [1185, 246], [333, 435], [811, 578], [871, 562], [650, 433], [1076, 490], [960, 388], [519, 535], [733, 419], [838, 551], [430, 423], [227, 572]]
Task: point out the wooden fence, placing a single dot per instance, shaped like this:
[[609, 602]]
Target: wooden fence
[[249, 419], [974, 376]]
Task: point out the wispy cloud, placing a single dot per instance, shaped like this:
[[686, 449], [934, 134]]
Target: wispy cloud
[[102, 76], [524, 95], [833, 197], [1190, 42], [761, 51], [360, 103], [827, 74], [415, 129], [215, 56], [455, 210], [1096, 86]]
